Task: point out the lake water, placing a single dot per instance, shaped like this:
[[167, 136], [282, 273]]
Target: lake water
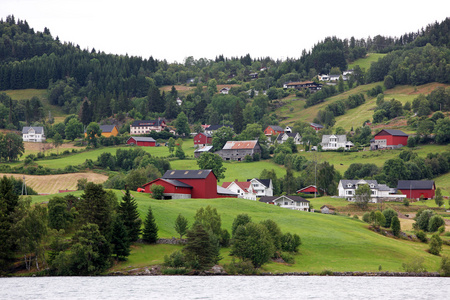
[[225, 287]]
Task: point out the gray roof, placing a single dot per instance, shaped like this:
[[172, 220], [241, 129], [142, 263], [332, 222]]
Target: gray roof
[[346, 182], [224, 191], [107, 128], [289, 134], [268, 199], [383, 187], [156, 122], [276, 128], [395, 132], [186, 174], [316, 125], [265, 182], [142, 139], [204, 149], [177, 183], [37, 129], [415, 184], [215, 127]]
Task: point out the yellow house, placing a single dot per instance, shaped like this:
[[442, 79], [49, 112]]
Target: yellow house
[[107, 130]]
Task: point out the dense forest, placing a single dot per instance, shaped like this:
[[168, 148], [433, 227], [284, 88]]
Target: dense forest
[[96, 86]]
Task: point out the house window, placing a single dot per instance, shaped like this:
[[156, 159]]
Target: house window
[[349, 193], [349, 185], [285, 203]]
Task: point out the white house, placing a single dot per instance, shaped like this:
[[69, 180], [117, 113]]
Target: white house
[[33, 134], [334, 142], [285, 201], [282, 137], [347, 189], [262, 187], [243, 189], [224, 90]]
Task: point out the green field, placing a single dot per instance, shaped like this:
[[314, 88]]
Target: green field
[[330, 242], [364, 63]]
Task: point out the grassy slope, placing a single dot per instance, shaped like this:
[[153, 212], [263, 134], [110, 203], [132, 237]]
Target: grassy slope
[[329, 242], [364, 63]]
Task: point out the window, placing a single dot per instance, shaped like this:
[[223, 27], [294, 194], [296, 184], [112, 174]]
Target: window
[[285, 203]]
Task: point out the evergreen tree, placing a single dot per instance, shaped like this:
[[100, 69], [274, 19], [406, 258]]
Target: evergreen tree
[[201, 248], [395, 226], [130, 216], [182, 125], [150, 234], [238, 120], [120, 241]]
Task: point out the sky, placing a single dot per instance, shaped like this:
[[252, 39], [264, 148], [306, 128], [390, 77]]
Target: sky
[[176, 29]]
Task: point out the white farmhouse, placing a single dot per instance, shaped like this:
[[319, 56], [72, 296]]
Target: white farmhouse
[[243, 189], [33, 134], [262, 187], [285, 201], [347, 189], [334, 142]]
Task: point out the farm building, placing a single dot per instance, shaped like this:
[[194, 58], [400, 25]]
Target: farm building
[[273, 130], [389, 138], [316, 126], [182, 184], [201, 150], [334, 142], [309, 190], [285, 201], [141, 141], [237, 150], [379, 192], [243, 189], [146, 126], [33, 134], [282, 137], [327, 209], [416, 189], [311, 85], [202, 139], [107, 130], [213, 128]]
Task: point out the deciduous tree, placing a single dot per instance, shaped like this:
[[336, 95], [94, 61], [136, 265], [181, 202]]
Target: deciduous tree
[[212, 161]]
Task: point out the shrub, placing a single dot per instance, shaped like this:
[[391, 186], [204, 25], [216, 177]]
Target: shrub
[[405, 202], [355, 217], [288, 258], [435, 222], [415, 265], [243, 267], [366, 217], [395, 226], [389, 213], [422, 236], [441, 229], [248, 158], [157, 191], [174, 271], [435, 244], [422, 219], [445, 266], [290, 242], [175, 260]]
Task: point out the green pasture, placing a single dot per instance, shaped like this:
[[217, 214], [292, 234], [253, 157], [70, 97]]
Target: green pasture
[[330, 242], [364, 63]]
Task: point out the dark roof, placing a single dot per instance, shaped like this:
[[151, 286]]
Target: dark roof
[[265, 182], [177, 183], [37, 129], [354, 183], [107, 128], [186, 174], [415, 184], [215, 127], [395, 132], [205, 134], [276, 127], [156, 122], [316, 125], [142, 139], [268, 199], [289, 134]]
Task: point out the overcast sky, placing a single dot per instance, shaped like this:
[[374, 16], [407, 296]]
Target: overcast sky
[[176, 29]]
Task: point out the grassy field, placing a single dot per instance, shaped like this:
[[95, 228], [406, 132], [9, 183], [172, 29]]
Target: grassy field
[[334, 243], [56, 111], [364, 63]]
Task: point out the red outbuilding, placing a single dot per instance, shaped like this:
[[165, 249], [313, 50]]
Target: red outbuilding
[[187, 184], [311, 189], [416, 189], [389, 138], [141, 141], [273, 130], [202, 139]]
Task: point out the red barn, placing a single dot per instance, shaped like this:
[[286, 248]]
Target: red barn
[[273, 130], [141, 141], [416, 189], [311, 189], [202, 139], [316, 126], [389, 138], [187, 184]]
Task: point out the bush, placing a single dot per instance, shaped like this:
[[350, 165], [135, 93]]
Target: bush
[[435, 244], [441, 229], [366, 217], [175, 260], [415, 265], [395, 226], [248, 158], [157, 191], [422, 236], [244, 268], [290, 242], [406, 202], [288, 258], [389, 213], [422, 219], [445, 266], [435, 222]]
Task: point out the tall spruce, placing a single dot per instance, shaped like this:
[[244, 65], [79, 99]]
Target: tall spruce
[[150, 234], [130, 216], [119, 240]]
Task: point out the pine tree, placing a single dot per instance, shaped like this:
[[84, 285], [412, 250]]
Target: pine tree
[[130, 217], [150, 234], [395, 226], [120, 240]]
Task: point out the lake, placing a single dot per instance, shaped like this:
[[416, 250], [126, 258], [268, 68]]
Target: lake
[[224, 287]]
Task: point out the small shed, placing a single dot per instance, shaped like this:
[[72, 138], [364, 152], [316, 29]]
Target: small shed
[[141, 141], [202, 150], [327, 209]]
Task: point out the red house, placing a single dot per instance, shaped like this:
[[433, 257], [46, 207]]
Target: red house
[[273, 130], [389, 138], [180, 184], [316, 126], [141, 141], [202, 139], [416, 189]]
